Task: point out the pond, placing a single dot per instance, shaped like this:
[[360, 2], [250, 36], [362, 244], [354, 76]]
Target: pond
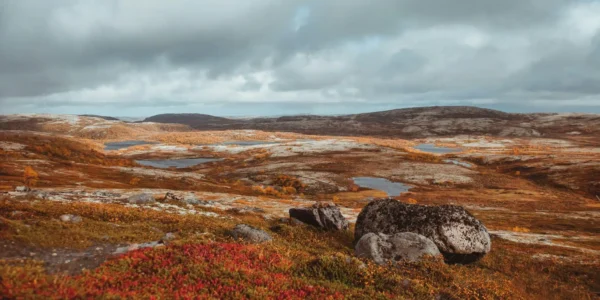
[[390, 187], [124, 144], [431, 148], [177, 163]]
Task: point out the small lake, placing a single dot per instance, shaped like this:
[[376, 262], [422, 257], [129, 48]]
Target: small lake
[[177, 163], [431, 148], [390, 187], [125, 144]]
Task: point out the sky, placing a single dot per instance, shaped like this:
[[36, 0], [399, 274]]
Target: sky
[[271, 57]]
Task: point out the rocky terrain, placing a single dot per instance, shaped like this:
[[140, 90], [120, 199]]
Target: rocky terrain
[[424, 203]]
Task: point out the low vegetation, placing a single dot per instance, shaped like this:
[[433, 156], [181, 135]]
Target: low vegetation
[[301, 263]]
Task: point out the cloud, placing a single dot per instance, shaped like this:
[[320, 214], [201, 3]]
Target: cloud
[[319, 56]]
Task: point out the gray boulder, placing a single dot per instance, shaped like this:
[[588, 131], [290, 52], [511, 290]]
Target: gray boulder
[[459, 236], [141, 199], [322, 215], [383, 248], [250, 234]]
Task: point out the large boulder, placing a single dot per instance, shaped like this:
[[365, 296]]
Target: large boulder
[[459, 236], [383, 248], [250, 234], [322, 215]]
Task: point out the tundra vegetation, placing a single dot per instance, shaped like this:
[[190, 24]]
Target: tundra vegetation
[[75, 232]]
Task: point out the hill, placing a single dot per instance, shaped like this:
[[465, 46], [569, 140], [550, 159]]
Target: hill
[[407, 123]]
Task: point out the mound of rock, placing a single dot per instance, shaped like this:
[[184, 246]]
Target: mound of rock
[[322, 215], [459, 236], [189, 198], [141, 199], [250, 234], [383, 248]]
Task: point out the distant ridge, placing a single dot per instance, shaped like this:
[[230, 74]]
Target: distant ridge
[[102, 117], [417, 122], [192, 120]]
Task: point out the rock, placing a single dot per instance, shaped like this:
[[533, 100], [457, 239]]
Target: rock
[[169, 196], [296, 222], [141, 199], [322, 215], [383, 248], [250, 234], [169, 236], [247, 210], [22, 189], [71, 218], [105, 194], [133, 247], [190, 198], [459, 236]]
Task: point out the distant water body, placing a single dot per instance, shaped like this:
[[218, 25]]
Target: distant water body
[[382, 184], [176, 163]]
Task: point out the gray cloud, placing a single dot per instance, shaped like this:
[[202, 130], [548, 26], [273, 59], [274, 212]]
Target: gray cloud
[[81, 55]]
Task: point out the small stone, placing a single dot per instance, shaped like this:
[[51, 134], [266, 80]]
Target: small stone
[[54, 254], [250, 234]]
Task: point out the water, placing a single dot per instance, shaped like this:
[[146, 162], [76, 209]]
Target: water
[[177, 163], [124, 144], [459, 163], [431, 148], [390, 187]]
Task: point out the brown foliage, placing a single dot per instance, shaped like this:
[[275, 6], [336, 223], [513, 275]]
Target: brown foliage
[[30, 176]]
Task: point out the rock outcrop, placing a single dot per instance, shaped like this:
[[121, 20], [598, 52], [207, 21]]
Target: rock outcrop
[[383, 248], [459, 236], [189, 198], [322, 215], [250, 234], [141, 199]]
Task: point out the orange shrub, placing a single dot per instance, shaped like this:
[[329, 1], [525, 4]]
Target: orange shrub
[[30, 176]]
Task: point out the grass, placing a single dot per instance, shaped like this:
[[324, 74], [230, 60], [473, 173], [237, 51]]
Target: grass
[[302, 262]]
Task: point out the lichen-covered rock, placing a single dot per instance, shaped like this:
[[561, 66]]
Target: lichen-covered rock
[[459, 236], [141, 199], [323, 215], [250, 234], [383, 248]]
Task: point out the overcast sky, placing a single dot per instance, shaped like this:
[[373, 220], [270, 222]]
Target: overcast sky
[[272, 57]]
